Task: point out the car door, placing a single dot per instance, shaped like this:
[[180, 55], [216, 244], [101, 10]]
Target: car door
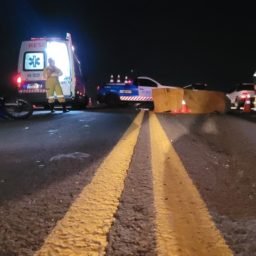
[[145, 87], [58, 50]]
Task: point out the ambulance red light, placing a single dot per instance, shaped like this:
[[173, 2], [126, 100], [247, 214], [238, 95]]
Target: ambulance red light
[[19, 80]]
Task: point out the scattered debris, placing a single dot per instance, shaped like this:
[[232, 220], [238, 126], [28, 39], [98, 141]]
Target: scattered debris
[[53, 131], [75, 155]]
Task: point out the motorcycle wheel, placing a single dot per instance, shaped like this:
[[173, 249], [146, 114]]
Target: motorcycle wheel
[[18, 108]]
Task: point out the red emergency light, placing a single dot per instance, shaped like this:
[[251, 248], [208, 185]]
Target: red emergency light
[[245, 95], [18, 79]]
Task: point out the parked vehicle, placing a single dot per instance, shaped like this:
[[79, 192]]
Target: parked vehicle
[[138, 90], [196, 86], [15, 108], [240, 93], [33, 57]]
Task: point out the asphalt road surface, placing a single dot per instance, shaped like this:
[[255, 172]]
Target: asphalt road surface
[[128, 182]]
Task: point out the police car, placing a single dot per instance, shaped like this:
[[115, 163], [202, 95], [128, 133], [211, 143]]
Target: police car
[[138, 90], [33, 57]]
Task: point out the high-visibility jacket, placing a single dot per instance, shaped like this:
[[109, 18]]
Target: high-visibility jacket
[[51, 73]]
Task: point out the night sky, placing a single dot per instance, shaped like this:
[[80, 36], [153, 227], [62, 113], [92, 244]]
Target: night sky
[[176, 44]]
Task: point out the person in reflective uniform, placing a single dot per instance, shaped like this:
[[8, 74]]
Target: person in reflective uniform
[[51, 74]]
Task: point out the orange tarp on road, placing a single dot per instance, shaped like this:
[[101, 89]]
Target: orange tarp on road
[[197, 101]]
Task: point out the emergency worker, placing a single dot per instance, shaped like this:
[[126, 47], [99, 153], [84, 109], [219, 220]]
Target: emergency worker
[[51, 74]]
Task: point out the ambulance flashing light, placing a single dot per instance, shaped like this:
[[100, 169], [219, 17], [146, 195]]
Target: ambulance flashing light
[[18, 80]]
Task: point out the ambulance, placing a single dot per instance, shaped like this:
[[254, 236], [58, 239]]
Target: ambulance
[[33, 58]]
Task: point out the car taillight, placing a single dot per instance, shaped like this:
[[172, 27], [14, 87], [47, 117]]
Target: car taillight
[[18, 80], [245, 95]]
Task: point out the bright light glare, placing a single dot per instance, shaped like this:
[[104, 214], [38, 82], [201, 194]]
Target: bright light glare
[[59, 52], [18, 79]]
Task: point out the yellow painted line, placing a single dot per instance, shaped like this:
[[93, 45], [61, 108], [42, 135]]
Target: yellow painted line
[[183, 224], [84, 228]]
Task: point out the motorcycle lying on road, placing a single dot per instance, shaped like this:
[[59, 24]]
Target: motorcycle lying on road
[[15, 108]]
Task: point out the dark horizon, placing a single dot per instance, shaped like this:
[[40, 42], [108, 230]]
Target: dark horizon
[[175, 44]]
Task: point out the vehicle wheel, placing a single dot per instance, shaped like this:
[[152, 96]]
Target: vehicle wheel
[[112, 100], [80, 103], [100, 98], [18, 108], [228, 105]]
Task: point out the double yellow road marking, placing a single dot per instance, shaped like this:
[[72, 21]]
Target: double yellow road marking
[[183, 225], [84, 229]]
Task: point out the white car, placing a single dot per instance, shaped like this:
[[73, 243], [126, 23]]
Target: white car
[[242, 92], [196, 86]]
